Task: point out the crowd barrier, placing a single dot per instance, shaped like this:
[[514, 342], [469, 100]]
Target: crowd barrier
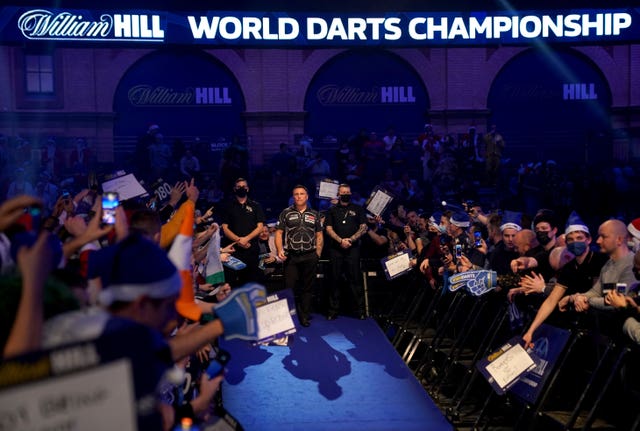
[[592, 382]]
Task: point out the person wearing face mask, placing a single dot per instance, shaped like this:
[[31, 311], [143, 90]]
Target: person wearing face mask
[[546, 229], [345, 224], [242, 222], [612, 240], [537, 258], [575, 277]]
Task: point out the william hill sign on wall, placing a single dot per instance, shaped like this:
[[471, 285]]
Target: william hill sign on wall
[[274, 29]]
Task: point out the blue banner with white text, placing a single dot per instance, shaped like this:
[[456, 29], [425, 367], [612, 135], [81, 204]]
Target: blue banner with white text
[[283, 29]]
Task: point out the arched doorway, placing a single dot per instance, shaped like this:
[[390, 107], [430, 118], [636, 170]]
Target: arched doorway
[[552, 104], [370, 89], [193, 98]]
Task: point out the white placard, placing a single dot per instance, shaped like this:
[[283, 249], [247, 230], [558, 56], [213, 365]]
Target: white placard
[[274, 318], [98, 399], [397, 264], [510, 365], [378, 202], [328, 189], [126, 186]]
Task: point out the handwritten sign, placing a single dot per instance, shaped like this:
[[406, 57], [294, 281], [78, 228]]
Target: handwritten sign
[[510, 365], [274, 318], [378, 201], [84, 400], [505, 366], [397, 264], [328, 189]]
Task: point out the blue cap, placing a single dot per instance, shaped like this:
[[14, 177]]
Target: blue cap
[[460, 219], [575, 223]]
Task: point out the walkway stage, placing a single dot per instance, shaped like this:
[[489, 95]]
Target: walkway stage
[[334, 375]]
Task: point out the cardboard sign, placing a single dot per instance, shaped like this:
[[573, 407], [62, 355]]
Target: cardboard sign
[[328, 189], [274, 317], [504, 367], [397, 264], [378, 201]]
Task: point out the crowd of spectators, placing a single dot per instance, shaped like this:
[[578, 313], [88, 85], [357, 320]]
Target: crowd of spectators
[[439, 214]]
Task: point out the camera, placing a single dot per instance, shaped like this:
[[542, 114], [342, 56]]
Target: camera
[[110, 201]]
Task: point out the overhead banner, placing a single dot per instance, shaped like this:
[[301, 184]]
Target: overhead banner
[[283, 29]]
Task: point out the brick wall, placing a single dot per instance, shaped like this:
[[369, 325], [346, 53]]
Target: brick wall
[[274, 83]]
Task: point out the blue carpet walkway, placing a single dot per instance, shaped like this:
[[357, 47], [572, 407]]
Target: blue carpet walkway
[[334, 375]]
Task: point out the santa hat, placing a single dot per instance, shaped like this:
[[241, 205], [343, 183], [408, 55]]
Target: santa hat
[[435, 217], [634, 228], [132, 268], [180, 255], [511, 220], [575, 223], [460, 219]]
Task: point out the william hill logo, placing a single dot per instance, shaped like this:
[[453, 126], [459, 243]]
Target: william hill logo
[[346, 95], [41, 24]]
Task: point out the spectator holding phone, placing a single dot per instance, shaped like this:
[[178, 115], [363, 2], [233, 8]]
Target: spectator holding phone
[[612, 239], [628, 305]]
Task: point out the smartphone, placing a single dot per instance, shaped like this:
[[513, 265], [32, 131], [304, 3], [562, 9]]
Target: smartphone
[[458, 249], [477, 236], [217, 363], [621, 288], [110, 202]]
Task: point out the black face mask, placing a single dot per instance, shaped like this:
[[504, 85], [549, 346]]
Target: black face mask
[[241, 192], [345, 198], [543, 238]]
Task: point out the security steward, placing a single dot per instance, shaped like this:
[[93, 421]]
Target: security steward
[[242, 222], [345, 223]]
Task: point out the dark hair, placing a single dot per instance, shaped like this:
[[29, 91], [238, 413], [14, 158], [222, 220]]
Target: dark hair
[[145, 222], [545, 215], [300, 186]]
